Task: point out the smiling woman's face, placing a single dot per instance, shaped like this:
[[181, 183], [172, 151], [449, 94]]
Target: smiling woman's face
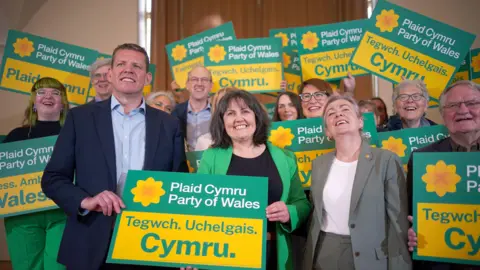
[[341, 118]]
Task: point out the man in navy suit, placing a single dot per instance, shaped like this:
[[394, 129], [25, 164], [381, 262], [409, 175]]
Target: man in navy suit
[[97, 146]]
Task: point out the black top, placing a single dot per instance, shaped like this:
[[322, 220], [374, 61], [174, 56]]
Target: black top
[[262, 166], [41, 129]]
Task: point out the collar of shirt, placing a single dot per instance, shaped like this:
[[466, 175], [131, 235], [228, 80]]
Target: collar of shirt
[[189, 108], [116, 106], [458, 148]]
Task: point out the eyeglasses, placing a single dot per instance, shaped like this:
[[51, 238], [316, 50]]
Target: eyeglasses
[[318, 95], [100, 76], [405, 97], [44, 92], [201, 80], [471, 104]]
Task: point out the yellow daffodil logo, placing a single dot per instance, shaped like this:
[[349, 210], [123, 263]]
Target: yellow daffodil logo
[[476, 63], [284, 38], [394, 145], [179, 53], [441, 178], [286, 60], [148, 191], [190, 167], [310, 40], [23, 47], [281, 137], [387, 20], [217, 53]]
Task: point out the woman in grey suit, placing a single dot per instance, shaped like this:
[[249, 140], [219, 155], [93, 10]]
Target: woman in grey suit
[[359, 198]]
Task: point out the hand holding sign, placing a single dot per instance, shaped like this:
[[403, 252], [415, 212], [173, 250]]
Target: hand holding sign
[[412, 236], [278, 211], [105, 202]]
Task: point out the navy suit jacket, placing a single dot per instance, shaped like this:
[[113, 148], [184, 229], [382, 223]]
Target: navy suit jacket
[[85, 150], [180, 112]]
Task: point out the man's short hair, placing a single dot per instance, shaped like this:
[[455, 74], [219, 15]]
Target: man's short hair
[[132, 47]]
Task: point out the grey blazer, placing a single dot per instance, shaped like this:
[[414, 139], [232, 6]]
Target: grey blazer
[[378, 211]]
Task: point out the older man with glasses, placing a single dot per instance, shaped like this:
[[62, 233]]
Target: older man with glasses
[[460, 110], [98, 75]]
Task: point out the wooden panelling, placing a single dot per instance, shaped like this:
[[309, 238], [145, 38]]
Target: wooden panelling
[[176, 19]]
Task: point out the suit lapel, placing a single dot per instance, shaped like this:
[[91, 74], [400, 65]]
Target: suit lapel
[[364, 167], [152, 136], [322, 171], [104, 127]]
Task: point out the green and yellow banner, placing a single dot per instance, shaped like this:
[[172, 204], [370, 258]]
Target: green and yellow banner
[[475, 65], [28, 58], [254, 64], [21, 169], [325, 50], [398, 42], [446, 210], [463, 72], [181, 219], [291, 61], [307, 139], [404, 142], [189, 52]]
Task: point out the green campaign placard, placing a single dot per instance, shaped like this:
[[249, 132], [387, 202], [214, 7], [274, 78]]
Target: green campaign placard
[[193, 160], [28, 58], [189, 52], [146, 90], [463, 72], [403, 142], [198, 220], [446, 209], [291, 61], [253, 64], [325, 50], [270, 109], [21, 169], [307, 139], [475, 65], [399, 42]]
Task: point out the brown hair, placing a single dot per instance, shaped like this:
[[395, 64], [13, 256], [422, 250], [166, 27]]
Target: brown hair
[[319, 84], [132, 47]]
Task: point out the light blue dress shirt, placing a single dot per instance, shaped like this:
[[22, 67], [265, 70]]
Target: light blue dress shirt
[[198, 123], [129, 135]]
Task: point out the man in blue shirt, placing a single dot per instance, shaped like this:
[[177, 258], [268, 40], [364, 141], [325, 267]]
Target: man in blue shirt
[[195, 113], [97, 146]]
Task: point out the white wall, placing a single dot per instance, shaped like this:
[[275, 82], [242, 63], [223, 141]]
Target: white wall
[[460, 14], [96, 24]]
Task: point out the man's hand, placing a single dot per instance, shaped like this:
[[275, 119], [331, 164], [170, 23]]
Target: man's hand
[[105, 202]]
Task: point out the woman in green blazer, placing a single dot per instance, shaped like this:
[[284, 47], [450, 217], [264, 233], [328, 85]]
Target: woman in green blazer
[[239, 131]]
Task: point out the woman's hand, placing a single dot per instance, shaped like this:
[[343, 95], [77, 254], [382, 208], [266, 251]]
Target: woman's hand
[[283, 85], [412, 236], [188, 268], [278, 211], [349, 84]]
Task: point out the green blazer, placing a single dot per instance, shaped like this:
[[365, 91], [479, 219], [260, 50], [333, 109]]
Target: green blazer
[[217, 161]]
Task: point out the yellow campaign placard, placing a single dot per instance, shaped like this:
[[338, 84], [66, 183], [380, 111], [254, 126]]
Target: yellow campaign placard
[[21, 75], [329, 65], [304, 163], [23, 193], [199, 220], [21, 168], [394, 61], [250, 77], [206, 240], [293, 82], [449, 230], [180, 71]]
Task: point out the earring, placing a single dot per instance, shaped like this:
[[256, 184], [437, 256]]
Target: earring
[[34, 108]]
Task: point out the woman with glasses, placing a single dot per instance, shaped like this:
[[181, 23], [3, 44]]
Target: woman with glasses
[[33, 239], [410, 101], [162, 100], [314, 93]]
